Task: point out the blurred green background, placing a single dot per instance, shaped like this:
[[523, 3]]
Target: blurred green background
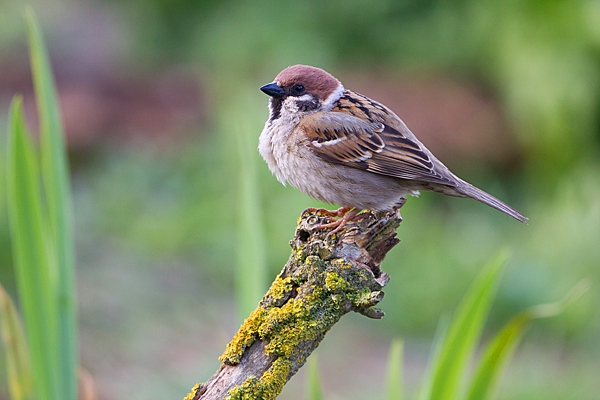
[[161, 107]]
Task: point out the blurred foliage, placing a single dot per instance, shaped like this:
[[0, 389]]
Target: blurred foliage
[[541, 57], [44, 362]]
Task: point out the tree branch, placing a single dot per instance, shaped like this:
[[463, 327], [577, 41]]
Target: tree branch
[[325, 277]]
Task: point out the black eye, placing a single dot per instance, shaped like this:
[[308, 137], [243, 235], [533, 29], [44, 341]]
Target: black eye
[[297, 90]]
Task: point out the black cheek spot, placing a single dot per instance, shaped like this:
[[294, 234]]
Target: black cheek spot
[[307, 105]]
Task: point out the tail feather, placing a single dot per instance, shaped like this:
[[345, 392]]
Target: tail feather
[[475, 193]]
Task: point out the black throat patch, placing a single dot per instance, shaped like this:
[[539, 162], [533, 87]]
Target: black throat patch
[[276, 104]]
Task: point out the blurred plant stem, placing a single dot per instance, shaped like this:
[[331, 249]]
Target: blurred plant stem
[[40, 221], [239, 119], [55, 178]]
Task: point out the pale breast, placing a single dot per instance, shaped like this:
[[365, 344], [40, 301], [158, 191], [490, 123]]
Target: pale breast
[[335, 183], [273, 145]]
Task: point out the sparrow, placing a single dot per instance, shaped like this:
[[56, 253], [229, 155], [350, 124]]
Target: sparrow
[[341, 147]]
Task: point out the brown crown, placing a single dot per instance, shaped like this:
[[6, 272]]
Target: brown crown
[[315, 80]]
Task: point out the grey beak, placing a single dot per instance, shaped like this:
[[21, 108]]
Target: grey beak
[[273, 90]]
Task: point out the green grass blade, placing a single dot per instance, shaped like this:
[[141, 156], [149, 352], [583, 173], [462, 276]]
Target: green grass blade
[[55, 179], [440, 335], [314, 388], [496, 356], [18, 366], [499, 351], [464, 332], [31, 252], [53, 153], [394, 371]]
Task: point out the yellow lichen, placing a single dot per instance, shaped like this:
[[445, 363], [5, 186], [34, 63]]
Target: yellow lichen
[[286, 326], [245, 336], [193, 392], [280, 288], [265, 388], [275, 377], [246, 391]]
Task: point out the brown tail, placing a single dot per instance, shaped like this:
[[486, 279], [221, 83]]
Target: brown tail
[[471, 191]]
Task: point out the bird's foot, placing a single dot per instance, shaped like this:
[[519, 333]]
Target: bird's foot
[[347, 214], [322, 212]]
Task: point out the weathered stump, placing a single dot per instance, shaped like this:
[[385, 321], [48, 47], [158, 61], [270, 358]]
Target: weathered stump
[[325, 277]]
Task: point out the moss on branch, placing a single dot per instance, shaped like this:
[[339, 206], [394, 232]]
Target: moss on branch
[[325, 277]]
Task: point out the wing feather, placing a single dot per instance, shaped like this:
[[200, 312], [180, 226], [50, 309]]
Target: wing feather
[[342, 138]]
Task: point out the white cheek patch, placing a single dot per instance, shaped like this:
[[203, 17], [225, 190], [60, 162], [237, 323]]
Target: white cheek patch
[[304, 97], [290, 104], [333, 97]]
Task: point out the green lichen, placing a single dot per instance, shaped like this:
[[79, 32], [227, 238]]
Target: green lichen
[[334, 282]]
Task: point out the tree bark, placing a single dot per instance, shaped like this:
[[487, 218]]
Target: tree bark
[[326, 276]]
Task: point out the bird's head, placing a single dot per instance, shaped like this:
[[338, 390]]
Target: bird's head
[[300, 90]]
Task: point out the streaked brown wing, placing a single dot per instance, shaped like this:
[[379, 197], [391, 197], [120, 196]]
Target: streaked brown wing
[[341, 138]]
